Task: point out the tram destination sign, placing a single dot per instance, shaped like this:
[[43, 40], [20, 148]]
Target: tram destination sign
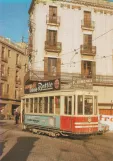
[[42, 86]]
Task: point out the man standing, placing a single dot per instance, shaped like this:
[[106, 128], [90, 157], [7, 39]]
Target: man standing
[[17, 115]]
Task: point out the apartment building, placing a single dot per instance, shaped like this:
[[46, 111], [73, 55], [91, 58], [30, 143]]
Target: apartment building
[[13, 66], [73, 40]]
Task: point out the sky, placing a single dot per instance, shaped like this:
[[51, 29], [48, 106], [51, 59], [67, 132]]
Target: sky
[[14, 19]]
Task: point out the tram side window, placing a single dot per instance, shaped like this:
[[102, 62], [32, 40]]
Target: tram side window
[[88, 105], [27, 105], [40, 105], [35, 105], [45, 104], [31, 105], [95, 105], [57, 105], [51, 104], [68, 105], [80, 105]]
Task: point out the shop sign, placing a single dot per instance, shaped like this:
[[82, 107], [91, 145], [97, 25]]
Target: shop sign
[[42, 86]]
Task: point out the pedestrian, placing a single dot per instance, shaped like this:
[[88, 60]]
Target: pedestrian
[[17, 115]]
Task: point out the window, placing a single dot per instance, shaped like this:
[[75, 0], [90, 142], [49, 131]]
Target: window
[[57, 104], [52, 37], [1, 88], [35, 105], [52, 66], [51, 104], [95, 105], [31, 105], [87, 18], [80, 105], [3, 52], [9, 53], [7, 88], [87, 42], [2, 70], [68, 105], [8, 71], [88, 105], [40, 105], [45, 104], [27, 105], [52, 14]]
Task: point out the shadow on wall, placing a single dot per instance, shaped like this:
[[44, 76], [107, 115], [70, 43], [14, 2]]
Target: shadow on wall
[[21, 150]]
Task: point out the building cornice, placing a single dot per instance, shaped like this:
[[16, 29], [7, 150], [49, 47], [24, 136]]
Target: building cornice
[[12, 45], [95, 3]]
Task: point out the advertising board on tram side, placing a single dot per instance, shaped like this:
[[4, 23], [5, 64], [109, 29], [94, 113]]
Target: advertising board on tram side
[[42, 86]]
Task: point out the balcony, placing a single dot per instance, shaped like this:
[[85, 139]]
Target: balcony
[[4, 59], [18, 64], [87, 25], [3, 76], [88, 50], [53, 47], [53, 20]]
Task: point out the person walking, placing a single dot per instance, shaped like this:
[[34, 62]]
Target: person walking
[[17, 115]]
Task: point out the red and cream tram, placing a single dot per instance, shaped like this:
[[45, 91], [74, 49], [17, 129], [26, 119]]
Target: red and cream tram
[[61, 112]]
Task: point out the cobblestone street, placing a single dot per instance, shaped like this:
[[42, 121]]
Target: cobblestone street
[[25, 146]]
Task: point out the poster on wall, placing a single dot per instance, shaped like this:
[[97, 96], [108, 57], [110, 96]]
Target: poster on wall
[[42, 86]]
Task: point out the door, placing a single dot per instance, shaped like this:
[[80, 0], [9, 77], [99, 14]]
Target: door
[[87, 19], [52, 14]]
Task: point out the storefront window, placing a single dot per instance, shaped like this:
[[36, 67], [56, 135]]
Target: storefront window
[[57, 105], [40, 105], [35, 105], [68, 105], [31, 105], [51, 104], [88, 105], [45, 104], [80, 105]]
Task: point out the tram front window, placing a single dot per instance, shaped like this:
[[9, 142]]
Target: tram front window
[[88, 105], [35, 104], [45, 104], [40, 105], [57, 105], [27, 105], [80, 105]]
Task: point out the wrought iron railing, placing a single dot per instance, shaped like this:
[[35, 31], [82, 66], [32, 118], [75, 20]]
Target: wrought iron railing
[[87, 24], [88, 50], [55, 47], [53, 20]]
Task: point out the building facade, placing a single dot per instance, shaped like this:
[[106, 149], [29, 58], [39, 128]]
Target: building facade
[[73, 39], [13, 66]]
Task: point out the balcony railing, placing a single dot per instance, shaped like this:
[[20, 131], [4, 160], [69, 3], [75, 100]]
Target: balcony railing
[[88, 25], [5, 59], [18, 64], [57, 47], [53, 20], [88, 50], [34, 75], [4, 76]]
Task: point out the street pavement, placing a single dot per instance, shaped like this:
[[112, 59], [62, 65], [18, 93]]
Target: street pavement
[[18, 145]]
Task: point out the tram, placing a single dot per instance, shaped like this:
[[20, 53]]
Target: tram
[[62, 112]]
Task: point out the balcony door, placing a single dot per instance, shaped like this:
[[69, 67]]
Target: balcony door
[[52, 66], [51, 37], [52, 14], [88, 69], [87, 19], [87, 42]]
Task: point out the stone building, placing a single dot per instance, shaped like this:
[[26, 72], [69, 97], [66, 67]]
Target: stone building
[[13, 66], [73, 40]]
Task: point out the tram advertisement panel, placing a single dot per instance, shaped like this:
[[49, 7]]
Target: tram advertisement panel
[[42, 86]]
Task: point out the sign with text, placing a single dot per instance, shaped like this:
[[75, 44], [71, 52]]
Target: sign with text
[[42, 86]]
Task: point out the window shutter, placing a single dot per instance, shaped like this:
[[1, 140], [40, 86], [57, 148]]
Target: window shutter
[[93, 69]]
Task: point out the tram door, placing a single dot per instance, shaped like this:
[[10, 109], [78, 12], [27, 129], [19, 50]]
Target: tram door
[[66, 119]]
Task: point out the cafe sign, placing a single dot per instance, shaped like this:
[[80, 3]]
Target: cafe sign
[[42, 86]]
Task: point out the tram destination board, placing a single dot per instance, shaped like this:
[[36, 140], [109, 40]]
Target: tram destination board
[[82, 83], [42, 86]]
